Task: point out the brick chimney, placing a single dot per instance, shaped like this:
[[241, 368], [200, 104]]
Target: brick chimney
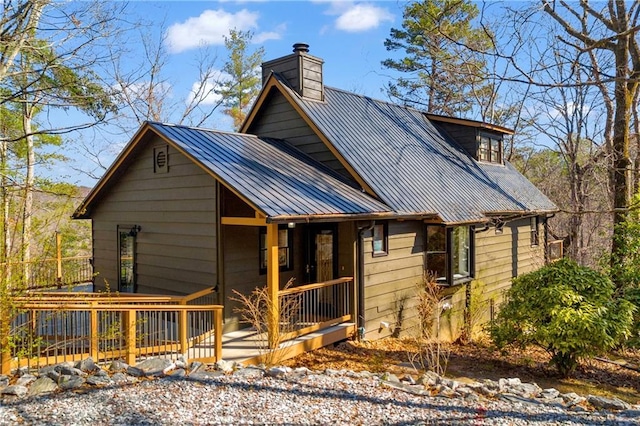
[[302, 72]]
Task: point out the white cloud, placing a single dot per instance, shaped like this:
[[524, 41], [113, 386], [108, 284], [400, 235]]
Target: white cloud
[[208, 28], [356, 17], [269, 35], [362, 17], [204, 93]]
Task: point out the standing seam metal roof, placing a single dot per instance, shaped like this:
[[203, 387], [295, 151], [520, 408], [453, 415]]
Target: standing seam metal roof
[[278, 180], [412, 166]]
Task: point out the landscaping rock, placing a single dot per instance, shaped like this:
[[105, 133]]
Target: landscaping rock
[[26, 380], [226, 366], [601, 402], [278, 371], [17, 390], [68, 382], [572, 398], [550, 393], [4, 381], [96, 380], [250, 373], [196, 366], [118, 366], [87, 365], [42, 385], [152, 367]]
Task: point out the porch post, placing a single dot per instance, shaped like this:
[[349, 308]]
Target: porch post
[[273, 285]]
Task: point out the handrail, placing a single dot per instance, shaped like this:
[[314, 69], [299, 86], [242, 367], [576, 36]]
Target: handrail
[[117, 307], [197, 294], [47, 259], [307, 287]]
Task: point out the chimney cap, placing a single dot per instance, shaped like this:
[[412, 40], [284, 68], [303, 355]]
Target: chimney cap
[[301, 47]]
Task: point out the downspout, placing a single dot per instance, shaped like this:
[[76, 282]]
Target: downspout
[[360, 277]]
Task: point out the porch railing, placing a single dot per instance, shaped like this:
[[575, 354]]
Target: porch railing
[[312, 307], [56, 327]]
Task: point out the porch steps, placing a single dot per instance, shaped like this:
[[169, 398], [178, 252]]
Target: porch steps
[[241, 345]]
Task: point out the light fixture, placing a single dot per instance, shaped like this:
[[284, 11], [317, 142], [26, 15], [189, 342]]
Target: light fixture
[[291, 225], [134, 230]]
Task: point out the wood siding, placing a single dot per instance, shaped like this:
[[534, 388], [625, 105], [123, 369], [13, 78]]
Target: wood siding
[[279, 119], [302, 72], [176, 247], [242, 268], [465, 136], [391, 281], [499, 258]]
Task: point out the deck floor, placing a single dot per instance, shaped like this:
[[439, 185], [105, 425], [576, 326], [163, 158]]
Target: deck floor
[[243, 346]]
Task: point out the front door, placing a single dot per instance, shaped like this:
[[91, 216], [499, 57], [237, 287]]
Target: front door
[[322, 253]]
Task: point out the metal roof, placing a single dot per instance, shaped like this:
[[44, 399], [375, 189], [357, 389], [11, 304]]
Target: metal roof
[[278, 180], [413, 167]]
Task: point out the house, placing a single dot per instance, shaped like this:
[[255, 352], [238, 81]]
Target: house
[[320, 184]]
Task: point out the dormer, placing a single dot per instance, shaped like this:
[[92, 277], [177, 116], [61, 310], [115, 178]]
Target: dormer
[[302, 72], [482, 141]]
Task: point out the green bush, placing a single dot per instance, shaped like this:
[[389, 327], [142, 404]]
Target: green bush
[[566, 309]]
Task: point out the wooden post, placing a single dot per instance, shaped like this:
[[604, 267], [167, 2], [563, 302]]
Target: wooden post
[[129, 326], [273, 284], [5, 351], [354, 299], [217, 324], [182, 333], [93, 336], [59, 259]]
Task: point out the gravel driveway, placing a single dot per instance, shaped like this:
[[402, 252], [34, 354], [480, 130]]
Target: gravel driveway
[[289, 399]]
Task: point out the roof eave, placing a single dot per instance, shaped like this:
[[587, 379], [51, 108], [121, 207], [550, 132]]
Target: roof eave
[[349, 216], [470, 123]]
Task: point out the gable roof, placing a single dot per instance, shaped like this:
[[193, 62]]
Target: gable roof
[[271, 177], [410, 165]]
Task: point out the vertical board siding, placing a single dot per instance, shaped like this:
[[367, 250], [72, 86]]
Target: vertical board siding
[[280, 120], [176, 248], [391, 281]]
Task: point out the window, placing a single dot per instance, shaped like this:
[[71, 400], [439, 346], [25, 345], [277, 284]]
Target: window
[[489, 148], [449, 254], [127, 258], [285, 244], [380, 239], [535, 234]]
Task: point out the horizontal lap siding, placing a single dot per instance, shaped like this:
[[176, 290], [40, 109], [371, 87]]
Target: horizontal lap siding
[[176, 248], [242, 268], [279, 119], [495, 264], [391, 281]]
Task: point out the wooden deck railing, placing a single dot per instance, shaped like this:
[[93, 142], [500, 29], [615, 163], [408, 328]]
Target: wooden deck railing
[[55, 327], [312, 307], [50, 273]]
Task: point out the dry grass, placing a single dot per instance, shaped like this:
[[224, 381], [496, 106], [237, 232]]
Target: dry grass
[[476, 361]]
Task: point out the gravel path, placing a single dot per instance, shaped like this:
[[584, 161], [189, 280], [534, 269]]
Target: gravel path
[[305, 399]]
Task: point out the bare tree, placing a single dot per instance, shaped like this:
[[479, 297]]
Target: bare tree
[[610, 28]]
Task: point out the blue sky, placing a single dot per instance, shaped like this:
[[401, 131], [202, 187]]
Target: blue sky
[[348, 35]]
